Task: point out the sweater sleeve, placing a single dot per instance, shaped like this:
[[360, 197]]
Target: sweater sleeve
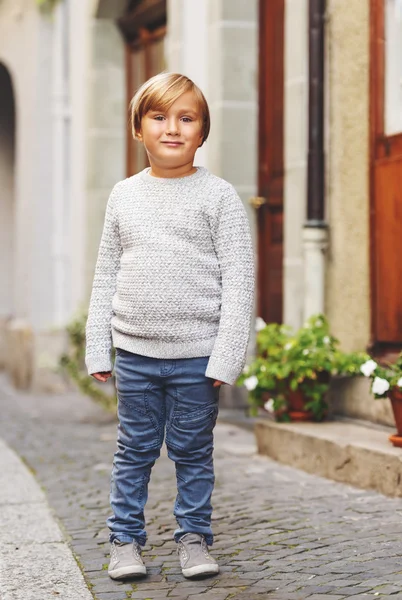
[[99, 328], [233, 246]]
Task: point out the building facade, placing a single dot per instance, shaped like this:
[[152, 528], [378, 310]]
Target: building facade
[[65, 141]]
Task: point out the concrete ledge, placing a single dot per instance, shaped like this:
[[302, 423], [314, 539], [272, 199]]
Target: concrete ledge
[[355, 454]]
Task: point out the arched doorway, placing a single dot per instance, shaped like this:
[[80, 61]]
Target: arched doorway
[[7, 204]]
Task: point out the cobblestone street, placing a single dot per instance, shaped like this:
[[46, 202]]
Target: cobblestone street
[[280, 533]]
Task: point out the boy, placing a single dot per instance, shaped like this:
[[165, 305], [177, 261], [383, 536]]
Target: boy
[[173, 290]]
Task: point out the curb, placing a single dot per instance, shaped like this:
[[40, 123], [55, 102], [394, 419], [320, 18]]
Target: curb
[[36, 562], [349, 453]]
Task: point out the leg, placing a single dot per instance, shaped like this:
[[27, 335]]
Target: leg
[[141, 412], [192, 409]]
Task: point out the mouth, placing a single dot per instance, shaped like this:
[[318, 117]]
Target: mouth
[[173, 144]]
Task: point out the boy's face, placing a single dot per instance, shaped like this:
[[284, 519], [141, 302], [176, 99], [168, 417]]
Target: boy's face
[[171, 137]]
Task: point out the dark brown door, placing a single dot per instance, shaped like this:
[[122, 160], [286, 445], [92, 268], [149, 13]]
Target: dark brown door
[[144, 28], [144, 59], [270, 174], [386, 174]]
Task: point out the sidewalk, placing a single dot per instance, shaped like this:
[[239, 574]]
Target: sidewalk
[[280, 533], [35, 560]]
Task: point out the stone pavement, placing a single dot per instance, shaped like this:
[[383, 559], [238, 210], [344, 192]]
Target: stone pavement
[[280, 533]]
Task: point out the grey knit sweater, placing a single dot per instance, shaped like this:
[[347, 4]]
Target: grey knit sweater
[[175, 274]]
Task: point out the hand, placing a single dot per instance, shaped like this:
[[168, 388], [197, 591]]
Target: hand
[[102, 376], [217, 383]]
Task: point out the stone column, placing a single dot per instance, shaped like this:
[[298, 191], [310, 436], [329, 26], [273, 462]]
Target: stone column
[[215, 42], [295, 133], [106, 130]]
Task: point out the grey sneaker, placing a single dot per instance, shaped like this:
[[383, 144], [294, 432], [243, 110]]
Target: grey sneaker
[[125, 560], [195, 559]]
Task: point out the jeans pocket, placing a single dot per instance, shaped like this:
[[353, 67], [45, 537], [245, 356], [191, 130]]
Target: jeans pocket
[[191, 431], [200, 414]]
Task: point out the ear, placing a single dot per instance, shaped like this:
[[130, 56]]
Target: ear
[[138, 136]]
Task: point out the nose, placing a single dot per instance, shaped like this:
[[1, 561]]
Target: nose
[[172, 127]]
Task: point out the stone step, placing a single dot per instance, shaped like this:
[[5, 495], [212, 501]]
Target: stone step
[[356, 453]]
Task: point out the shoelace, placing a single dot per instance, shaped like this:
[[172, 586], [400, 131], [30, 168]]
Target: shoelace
[[113, 551], [135, 547], [137, 551], [204, 548], [183, 552]]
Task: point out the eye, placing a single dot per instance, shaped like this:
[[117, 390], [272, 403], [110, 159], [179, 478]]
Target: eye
[[187, 119], [159, 118]]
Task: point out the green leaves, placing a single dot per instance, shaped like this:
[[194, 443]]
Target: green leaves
[[47, 6], [73, 362], [305, 360]]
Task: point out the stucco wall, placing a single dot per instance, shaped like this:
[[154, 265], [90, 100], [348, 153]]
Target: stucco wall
[[106, 131], [216, 43], [347, 285], [18, 51]]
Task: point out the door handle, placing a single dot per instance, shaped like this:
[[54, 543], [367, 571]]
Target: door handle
[[257, 201]]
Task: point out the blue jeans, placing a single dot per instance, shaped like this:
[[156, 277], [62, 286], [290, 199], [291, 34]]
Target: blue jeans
[[154, 396]]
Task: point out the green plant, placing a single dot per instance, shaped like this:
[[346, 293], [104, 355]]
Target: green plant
[[73, 361], [385, 377], [289, 361], [47, 6]]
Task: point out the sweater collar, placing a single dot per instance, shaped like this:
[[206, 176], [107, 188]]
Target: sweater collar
[[188, 179]]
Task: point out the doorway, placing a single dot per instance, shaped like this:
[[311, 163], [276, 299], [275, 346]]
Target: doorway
[[269, 204], [144, 29], [386, 175], [7, 203]]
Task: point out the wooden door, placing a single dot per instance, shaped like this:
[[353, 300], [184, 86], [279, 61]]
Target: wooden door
[[386, 174], [144, 59], [270, 174], [144, 28]]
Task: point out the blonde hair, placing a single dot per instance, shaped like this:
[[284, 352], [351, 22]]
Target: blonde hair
[[160, 92]]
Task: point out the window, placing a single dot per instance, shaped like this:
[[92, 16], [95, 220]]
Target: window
[[393, 67]]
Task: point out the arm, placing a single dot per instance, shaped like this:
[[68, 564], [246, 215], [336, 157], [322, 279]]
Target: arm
[[99, 329], [233, 246]]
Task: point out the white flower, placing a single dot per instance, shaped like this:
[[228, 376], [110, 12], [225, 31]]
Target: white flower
[[259, 324], [269, 405], [251, 383], [263, 368], [326, 340], [368, 368], [305, 352], [246, 370], [399, 382], [380, 386], [288, 346]]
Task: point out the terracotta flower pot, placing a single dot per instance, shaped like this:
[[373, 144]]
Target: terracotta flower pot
[[395, 395], [296, 410], [296, 401]]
